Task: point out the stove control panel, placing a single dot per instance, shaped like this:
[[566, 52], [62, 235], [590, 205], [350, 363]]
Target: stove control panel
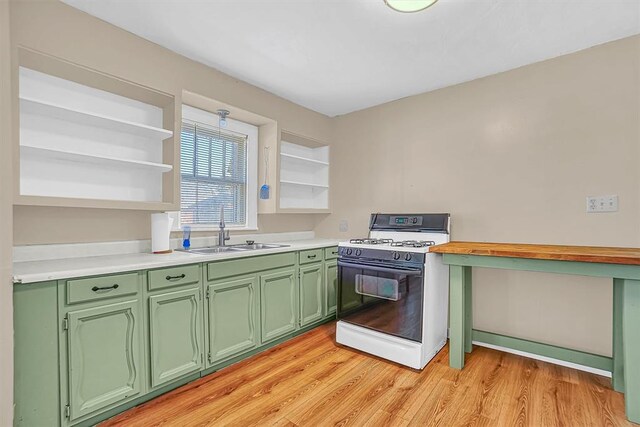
[[387, 255]]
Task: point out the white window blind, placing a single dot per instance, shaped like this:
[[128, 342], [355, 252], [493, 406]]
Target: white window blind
[[213, 167]]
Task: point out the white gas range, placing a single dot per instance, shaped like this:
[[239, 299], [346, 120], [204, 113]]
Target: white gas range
[[393, 294]]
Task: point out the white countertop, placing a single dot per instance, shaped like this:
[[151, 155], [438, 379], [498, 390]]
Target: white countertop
[[41, 271]]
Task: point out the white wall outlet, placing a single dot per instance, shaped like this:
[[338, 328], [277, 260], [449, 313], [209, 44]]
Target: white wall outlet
[[602, 204], [344, 225]]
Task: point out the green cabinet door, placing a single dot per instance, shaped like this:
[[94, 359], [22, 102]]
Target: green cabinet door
[[231, 317], [278, 304], [104, 356], [330, 287], [311, 291], [175, 335]]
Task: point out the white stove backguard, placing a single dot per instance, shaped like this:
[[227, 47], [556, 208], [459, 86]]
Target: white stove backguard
[[438, 238]]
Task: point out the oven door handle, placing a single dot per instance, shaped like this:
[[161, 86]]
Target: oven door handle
[[395, 270]]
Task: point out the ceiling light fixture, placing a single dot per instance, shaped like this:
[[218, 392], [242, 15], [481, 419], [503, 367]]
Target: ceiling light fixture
[[408, 6], [222, 118]]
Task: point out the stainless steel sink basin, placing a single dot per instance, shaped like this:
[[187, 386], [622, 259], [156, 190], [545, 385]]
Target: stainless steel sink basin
[[235, 248], [256, 246], [214, 250]]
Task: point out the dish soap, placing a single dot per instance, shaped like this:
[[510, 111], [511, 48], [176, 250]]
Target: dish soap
[[186, 237]]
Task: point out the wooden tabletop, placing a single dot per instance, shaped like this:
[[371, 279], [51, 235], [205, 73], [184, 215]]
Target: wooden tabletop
[[599, 254]]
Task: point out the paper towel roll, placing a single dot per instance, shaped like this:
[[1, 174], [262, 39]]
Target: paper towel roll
[[161, 224]]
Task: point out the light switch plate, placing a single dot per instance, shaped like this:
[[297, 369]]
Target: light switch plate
[[344, 225], [597, 204]]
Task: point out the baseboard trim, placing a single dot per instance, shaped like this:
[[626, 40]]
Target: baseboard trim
[[588, 362]]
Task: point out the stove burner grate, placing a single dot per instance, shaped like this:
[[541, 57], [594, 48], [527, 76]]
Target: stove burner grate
[[403, 243], [414, 243], [371, 241]]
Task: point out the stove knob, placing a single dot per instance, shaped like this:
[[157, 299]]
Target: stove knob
[[396, 256], [349, 250], [407, 257], [358, 252]]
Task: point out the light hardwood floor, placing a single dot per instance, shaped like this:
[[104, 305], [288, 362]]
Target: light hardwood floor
[[310, 381]]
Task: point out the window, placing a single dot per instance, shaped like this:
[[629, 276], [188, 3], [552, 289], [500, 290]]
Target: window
[[217, 169]]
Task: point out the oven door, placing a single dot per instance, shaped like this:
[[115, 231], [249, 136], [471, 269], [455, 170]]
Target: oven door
[[382, 297]]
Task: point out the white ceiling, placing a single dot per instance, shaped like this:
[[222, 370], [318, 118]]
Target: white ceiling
[[338, 56]]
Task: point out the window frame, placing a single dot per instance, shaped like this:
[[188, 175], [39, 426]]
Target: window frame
[[251, 131]]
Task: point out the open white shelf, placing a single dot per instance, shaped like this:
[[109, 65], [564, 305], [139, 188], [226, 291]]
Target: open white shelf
[[91, 140], [304, 159], [48, 109], [304, 184], [73, 156], [303, 174]]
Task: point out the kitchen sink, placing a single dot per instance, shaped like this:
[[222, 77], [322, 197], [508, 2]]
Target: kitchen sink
[[214, 250], [256, 246], [235, 248]]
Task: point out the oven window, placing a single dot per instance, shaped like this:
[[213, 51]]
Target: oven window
[[386, 301]]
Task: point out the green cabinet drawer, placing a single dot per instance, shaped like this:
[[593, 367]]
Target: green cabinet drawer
[[241, 266], [96, 288], [174, 276], [312, 255], [331, 253]]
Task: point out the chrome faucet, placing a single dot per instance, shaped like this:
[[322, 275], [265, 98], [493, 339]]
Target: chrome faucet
[[223, 235]]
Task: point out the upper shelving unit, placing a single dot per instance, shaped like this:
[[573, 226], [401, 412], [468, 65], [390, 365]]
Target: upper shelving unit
[[92, 140], [304, 175]]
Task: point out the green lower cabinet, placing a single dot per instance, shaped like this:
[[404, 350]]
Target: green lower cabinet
[[330, 288], [175, 335], [86, 348], [278, 304], [36, 355], [231, 317], [311, 291], [104, 357]]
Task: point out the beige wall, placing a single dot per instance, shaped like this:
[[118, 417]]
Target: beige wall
[[6, 179], [512, 157], [59, 30], [44, 225]]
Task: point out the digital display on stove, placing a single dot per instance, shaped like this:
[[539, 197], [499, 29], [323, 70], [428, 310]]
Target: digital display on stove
[[405, 220]]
